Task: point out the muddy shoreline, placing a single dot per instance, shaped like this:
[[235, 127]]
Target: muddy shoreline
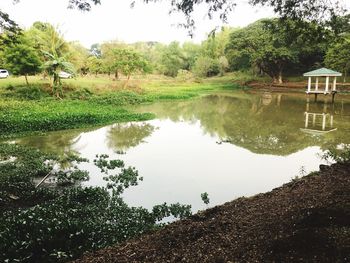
[[306, 220]]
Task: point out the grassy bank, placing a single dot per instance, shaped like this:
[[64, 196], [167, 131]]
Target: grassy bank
[[89, 101]]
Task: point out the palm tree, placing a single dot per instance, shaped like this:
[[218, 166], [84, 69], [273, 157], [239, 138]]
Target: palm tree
[[53, 48], [54, 65]]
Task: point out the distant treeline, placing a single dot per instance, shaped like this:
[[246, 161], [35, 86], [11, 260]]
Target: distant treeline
[[272, 47]]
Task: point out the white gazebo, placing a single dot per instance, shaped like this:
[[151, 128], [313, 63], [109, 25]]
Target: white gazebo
[[330, 77]]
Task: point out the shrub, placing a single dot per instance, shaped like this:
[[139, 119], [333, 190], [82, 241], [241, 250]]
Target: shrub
[[206, 67]]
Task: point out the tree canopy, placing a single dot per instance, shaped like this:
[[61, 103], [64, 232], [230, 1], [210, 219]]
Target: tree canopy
[[312, 10]]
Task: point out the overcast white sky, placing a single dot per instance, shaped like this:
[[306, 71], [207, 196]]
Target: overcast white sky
[[114, 19]]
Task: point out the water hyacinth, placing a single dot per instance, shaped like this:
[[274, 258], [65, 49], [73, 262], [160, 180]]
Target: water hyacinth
[[58, 224]]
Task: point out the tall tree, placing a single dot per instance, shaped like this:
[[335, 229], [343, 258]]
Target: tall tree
[[21, 58], [54, 49], [107, 56], [172, 59], [78, 56], [273, 45], [338, 56]]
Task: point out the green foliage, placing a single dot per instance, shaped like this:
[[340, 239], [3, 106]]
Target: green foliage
[[71, 177], [206, 67], [60, 224], [104, 164], [94, 65], [172, 59], [338, 56], [340, 154], [205, 198], [54, 65], [20, 58], [177, 210], [31, 92], [128, 62], [18, 166], [119, 99], [48, 115], [274, 45]]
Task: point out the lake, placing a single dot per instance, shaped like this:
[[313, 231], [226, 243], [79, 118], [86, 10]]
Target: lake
[[227, 144]]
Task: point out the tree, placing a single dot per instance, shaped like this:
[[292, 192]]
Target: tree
[[48, 38], [94, 65], [206, 67], [128, 62], [107, 56], [312, 10], [21, 58], [78, 56], [54, 65], [191, 52], [268, 51], [172, 59], [338, 56], [274, 45], [223, 65], [55, 60], [8, 25]]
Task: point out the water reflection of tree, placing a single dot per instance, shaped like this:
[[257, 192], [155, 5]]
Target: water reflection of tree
[[123, 136], [60, 143], [252, 123]]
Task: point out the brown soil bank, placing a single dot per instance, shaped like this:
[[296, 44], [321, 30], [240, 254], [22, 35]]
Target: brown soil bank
[[307, 220]]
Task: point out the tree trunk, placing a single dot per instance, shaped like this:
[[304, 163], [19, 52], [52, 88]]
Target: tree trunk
[[26, 77], [116, 75], [280, 79]]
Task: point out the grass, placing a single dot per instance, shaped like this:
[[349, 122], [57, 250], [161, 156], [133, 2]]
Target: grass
[[89, 101]]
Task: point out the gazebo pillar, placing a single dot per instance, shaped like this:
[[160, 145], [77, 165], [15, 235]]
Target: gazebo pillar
[[331, 121], [309, 85], [327, 85], [306, 120], [335, 84], [316, 85], [324, 121]]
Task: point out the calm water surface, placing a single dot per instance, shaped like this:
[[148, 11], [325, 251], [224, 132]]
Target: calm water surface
[[229, 145]]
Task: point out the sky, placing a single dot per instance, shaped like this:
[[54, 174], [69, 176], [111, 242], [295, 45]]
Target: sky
[[115, 20]]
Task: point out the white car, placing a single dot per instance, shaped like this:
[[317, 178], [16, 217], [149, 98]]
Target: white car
[[65, 75], [4, 73]]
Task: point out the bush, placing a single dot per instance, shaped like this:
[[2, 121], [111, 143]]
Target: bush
[[206, 67]]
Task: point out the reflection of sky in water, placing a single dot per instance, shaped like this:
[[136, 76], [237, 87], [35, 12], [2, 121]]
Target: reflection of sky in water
[[180, 155], [179, 162]]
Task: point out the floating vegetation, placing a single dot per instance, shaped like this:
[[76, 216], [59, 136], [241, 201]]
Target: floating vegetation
[[58, 224]]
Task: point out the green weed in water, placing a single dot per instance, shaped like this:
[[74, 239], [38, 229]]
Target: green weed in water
[[59, 224]]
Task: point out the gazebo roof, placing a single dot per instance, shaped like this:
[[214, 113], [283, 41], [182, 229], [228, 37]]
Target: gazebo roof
[[322, 72]]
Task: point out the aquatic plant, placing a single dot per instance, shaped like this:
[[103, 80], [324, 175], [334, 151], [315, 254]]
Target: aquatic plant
[[59, 224], [205, 198], [339, 155]]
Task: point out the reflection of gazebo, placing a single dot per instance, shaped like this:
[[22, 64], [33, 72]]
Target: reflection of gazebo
[[327, 88], [318, 123]]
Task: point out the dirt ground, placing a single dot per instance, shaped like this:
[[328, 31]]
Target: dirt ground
[[307, 220]]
